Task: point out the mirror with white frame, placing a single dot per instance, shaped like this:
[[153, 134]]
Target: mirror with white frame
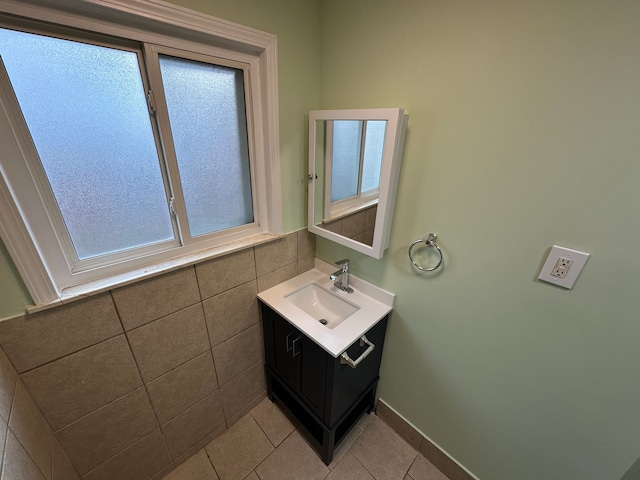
[[354, 166]]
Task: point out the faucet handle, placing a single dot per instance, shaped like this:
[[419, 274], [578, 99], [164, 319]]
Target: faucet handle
[[342, 262]]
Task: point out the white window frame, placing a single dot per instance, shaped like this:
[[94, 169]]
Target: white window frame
[[29, 234]]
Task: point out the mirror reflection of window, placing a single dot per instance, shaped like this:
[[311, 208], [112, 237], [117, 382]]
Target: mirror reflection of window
[[373, 149], [356, 149], [347, 155]]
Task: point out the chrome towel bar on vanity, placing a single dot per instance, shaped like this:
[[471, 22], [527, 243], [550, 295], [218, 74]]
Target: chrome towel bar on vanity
[[429, 242]]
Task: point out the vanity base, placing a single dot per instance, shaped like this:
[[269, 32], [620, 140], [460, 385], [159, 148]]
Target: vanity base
[[322, 438], [324, 395]]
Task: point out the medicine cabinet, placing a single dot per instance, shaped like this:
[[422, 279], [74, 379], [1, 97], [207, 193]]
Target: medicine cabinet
[[354, 166]]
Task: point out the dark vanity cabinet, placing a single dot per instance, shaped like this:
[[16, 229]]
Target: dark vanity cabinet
[[325, 396]]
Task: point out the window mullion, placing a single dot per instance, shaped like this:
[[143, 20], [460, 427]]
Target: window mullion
[[160, 117], [362, 153], [328, 172]]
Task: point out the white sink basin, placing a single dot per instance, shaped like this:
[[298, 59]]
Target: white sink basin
[[310, 297], [329, 309]]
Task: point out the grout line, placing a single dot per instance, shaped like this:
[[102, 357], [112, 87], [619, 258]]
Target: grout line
[[222, 292], [236, 334], [177, 367], [195, 274], [262, 429], [255, 265], [144, 385], [199, 302], [101, 407], [49, 362], [6, 436], [199, 440], [4, 352], [190, 406], [9, 429], [127, 448], [274, 450], [262, 360]]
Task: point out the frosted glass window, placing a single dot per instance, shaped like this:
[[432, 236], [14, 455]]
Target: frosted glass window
[[347, 143], [86, 109], [373, 150], [209, 126]]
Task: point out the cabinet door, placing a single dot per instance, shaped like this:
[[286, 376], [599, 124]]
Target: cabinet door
[[311, 374], [297, 360], [284, 334]]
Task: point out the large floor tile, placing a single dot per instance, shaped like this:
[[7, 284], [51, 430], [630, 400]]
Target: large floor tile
[[348, 441], [272, 421], [349, 469], [423, 469], [293, 460], [197, 467], [383, 452], [239, 450]]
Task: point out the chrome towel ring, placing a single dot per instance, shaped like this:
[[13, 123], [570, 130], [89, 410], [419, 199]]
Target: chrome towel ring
[[429, 242]]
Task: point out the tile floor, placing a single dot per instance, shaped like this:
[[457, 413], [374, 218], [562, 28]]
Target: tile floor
[[264, 445]]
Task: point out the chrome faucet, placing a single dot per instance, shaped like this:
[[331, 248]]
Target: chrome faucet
[[341, 276]]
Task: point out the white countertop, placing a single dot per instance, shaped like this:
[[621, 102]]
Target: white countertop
[[373, 302]]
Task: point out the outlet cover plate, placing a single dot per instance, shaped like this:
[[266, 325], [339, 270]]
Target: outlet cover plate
[[578, 260]]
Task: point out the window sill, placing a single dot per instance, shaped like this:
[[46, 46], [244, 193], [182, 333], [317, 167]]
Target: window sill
[[349, 211], [99, 286]]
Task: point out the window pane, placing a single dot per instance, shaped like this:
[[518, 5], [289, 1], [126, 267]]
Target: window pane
[[347, 142], [209, 126], [85, 107], [373, 150]]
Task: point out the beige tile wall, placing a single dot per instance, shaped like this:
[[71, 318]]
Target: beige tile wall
[[129, 383], [28, 447], [359, 226]]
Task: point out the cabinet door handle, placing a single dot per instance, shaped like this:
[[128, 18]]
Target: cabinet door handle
[[295, 342], [345, 359], [289, 346]]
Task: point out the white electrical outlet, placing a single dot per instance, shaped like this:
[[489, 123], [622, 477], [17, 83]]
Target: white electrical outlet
[[563, 265], [561, 268]]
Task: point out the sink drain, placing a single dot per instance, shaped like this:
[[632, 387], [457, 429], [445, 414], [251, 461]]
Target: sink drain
[[323, 321]]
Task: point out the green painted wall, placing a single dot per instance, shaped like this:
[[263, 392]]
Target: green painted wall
[[13, 294], [634, 472], [297, 25], [523, 133]]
